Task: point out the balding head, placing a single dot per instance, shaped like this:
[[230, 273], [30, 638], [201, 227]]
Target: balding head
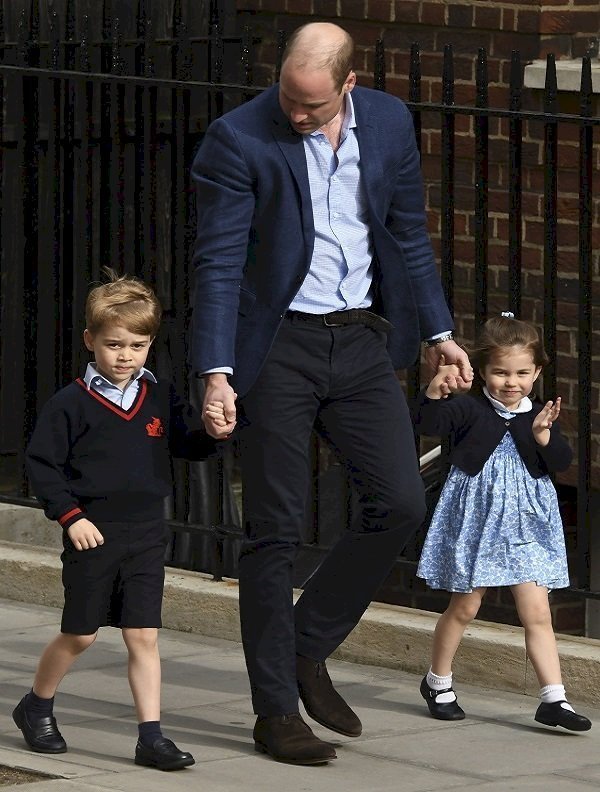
[[320, 46]]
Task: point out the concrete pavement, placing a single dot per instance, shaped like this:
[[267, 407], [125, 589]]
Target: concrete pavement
[[206, 710]]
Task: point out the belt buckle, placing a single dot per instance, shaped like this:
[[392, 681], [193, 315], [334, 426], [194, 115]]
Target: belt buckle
[[331, 324]]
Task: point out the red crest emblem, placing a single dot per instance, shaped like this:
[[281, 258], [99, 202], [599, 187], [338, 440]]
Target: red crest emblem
[[155, 428]]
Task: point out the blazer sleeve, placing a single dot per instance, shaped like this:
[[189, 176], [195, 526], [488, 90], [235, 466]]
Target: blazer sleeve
[[47, 462], [224, 208]]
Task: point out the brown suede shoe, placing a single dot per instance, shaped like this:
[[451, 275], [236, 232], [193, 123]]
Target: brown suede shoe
[[287, 738], [322, 701]]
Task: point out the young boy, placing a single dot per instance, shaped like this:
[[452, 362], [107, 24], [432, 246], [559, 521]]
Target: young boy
[[99, 461]]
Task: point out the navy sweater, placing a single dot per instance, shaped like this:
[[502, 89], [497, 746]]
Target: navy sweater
[[475, 429], [90, 458]]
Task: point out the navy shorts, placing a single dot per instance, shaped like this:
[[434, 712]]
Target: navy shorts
[[119, 583]]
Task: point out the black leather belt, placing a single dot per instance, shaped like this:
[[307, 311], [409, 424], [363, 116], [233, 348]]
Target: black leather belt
[[342, 318]]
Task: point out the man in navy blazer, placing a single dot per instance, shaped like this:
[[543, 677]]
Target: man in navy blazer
[[314, 280]]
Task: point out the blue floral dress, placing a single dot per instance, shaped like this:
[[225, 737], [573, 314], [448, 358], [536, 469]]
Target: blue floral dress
[[497, 528]]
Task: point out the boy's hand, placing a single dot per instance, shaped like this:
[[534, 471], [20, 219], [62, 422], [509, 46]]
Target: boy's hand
[[218, 411], [544, 420], [448, 380], [84, 535]]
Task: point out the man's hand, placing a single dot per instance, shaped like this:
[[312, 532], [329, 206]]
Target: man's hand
[[452, 354], [447, 380], [218, 410], [84, 535]]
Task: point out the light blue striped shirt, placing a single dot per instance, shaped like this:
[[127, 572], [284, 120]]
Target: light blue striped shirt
[[122, 398], [340, 271]]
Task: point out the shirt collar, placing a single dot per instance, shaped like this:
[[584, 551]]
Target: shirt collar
[[93, 376], [349, 121], [525, 405]]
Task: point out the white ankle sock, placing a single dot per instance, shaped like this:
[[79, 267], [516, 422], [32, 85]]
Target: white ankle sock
[[549, 694], [436, 682]]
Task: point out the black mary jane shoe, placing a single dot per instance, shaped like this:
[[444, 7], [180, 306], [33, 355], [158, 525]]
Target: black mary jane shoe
[[556, 715], [448, 711], [164, 755], [41, 734]]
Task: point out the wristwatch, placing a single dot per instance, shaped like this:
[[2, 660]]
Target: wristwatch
[[431, 342]]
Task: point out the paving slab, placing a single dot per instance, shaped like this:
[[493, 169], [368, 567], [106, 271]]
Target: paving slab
[[206, 709]]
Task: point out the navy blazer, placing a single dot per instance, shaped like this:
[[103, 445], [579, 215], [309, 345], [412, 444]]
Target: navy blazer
[[475, 429], [255, 232]]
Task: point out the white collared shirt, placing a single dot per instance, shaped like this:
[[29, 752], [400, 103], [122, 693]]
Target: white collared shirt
[[122, 398], [340, 272], [525, 405]]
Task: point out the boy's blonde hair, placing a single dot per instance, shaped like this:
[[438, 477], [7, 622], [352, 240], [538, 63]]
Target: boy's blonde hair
[[126, 301]]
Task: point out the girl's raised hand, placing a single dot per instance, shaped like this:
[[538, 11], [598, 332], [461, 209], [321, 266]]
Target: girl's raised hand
[[544, 420]]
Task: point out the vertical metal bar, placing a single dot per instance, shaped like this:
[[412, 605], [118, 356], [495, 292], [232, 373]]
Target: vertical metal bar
[[247, 60], [117, 165], [87, 268], [281, 42], [71, 341], [216, 73], [179, 231], [50, 233], [550, 219], [515, 183], [447, 153], [414, 90], [584, 395], [481, 192], [143, 24], [30, 237], [379, 75], [106, 229], [87, 126]]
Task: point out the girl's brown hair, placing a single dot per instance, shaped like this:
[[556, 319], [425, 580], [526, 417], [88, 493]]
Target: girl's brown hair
[[126, 301], [501, 332]]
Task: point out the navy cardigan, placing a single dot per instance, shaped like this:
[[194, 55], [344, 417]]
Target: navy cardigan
[[475, 429]]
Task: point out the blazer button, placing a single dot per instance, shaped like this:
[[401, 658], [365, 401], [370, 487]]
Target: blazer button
[[506, 423]]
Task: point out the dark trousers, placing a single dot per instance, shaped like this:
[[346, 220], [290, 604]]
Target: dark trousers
[[340, 380]]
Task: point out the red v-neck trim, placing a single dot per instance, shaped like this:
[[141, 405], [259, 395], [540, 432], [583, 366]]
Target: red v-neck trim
[[125, 414]]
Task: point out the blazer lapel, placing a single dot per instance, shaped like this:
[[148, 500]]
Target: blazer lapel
[[371, 163], [292, 148]]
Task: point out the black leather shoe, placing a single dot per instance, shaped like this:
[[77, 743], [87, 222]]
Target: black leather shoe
[[448, 711], [164, 755], [556, 715], [41, 734], [322, 701], [287, 738]]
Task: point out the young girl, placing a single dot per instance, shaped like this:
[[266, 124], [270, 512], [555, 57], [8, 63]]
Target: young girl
[[497, 521]]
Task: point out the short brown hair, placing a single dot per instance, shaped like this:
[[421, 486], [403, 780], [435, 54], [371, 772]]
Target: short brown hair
[[501, 332], [124, 300], [338, 59]]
